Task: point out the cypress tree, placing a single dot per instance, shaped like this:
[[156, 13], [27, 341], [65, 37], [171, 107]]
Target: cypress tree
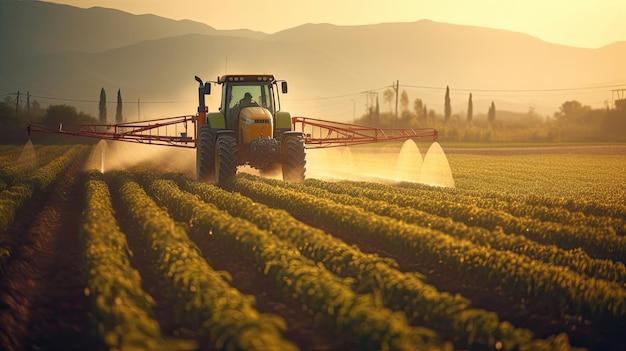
[[491, 117], [102, 107], [470, 109], [118, 114], [447, 107]]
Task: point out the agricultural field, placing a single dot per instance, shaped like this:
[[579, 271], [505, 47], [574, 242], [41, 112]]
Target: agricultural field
[[522, 249]]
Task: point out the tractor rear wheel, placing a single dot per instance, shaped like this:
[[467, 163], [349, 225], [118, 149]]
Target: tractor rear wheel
[[225, 159], [205, 154], [294, 164]]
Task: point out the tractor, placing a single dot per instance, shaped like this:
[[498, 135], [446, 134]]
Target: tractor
[[248, 129]]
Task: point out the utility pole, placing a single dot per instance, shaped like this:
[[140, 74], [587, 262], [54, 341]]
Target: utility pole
[[17, 102], [28, 102], [618, 98], [138, 111]]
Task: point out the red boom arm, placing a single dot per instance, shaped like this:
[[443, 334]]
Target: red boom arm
[[170, 131], [320, 133]]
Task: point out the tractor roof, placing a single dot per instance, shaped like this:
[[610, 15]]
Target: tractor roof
[[230, 78]]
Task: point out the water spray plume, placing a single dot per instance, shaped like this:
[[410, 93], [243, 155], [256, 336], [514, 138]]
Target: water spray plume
[[102, 160], [97, 157], [28, 158], [409, 163], [436, 169], [117, 155], [388, 163], [347, 161]]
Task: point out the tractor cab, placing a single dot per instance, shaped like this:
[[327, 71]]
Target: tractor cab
[[249, 104]]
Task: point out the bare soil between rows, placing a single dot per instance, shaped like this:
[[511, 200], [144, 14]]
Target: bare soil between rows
[[42, 304]]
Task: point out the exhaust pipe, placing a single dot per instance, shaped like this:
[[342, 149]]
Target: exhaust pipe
[[201, 105]]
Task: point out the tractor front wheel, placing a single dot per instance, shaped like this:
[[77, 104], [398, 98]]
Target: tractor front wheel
[[205, 154], [294, 163], [225, 159]]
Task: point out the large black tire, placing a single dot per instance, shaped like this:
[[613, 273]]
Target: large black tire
[[294, 165], [225, 159], [205, 154]]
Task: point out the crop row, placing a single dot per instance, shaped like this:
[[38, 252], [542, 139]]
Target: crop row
[[584, 182], [14, 197], [328, 298], [15, 168], [577, 260], [9, 154], [596, 242], [204, 302], [122, 310], [554, 287], [575, 212], [447, 314]]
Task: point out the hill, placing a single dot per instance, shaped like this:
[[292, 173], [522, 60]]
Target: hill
[[71, 53]]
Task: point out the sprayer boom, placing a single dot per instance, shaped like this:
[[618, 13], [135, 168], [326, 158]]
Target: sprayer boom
[[322, 134], [174, 131], [170, 131]]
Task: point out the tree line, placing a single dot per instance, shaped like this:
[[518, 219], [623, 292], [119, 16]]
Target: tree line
[[16, 115], [572, 122]]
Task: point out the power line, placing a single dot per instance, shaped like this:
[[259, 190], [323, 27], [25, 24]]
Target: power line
[[423, 87], [326, 97], [517, 90], [339, 96]]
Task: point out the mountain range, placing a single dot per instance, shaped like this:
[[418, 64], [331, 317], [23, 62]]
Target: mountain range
[[64, 54]]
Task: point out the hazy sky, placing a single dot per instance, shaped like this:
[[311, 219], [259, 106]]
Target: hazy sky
[[581, 23]]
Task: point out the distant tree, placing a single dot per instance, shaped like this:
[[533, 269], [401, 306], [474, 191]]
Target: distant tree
[[405, 113], [447, 106], [102, 106], [491, 115], [7, 112], [388, 96], [571, 111], [37, 110], [404, 101], [118, 114], [66, 114], [418, 106], [432, 116], [470, 109], [377, 112], [12, 125]]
